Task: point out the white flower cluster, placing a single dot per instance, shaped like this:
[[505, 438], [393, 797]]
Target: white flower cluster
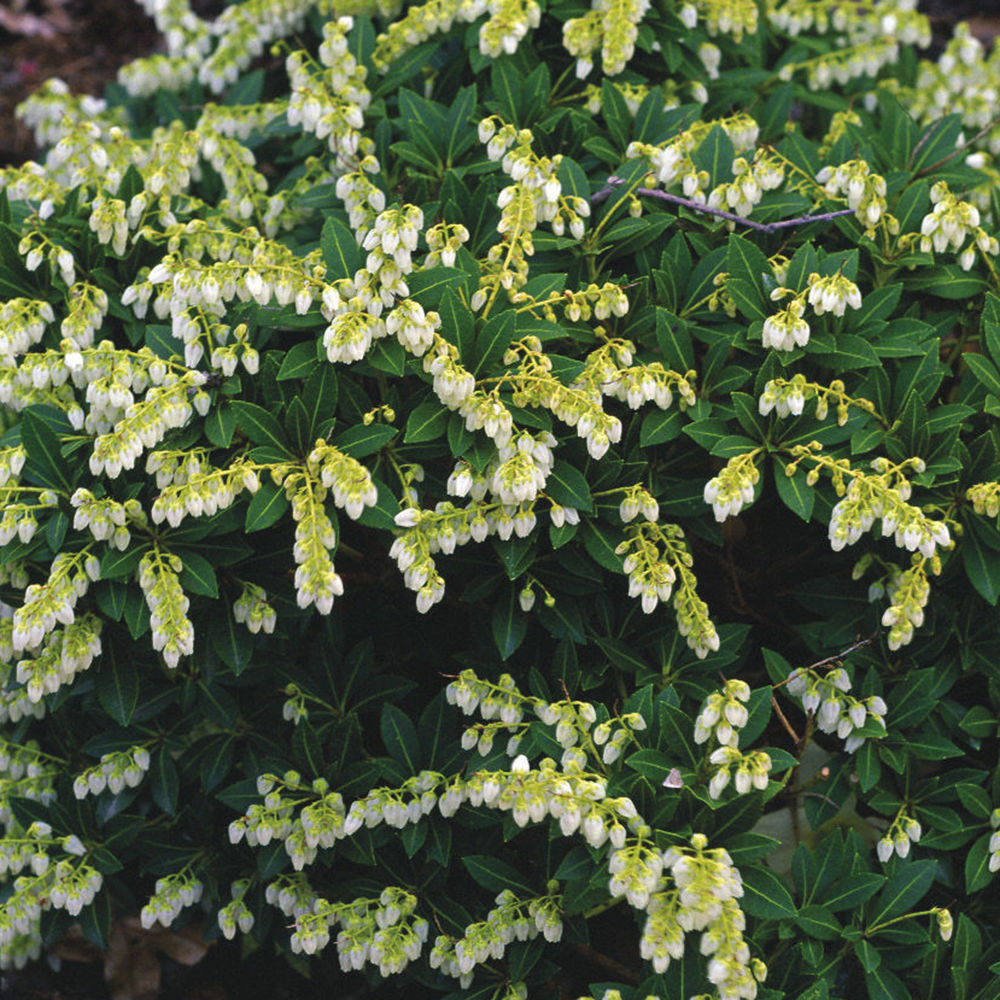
[[65, 653], [385, 931], [908, 591], [868, 37], [613, 740], [51, 603], [244, 30], [723, 714], [236, 915], [171, 894], [145, 422], [994, 843], [117, 771], [787, 329], [22, 325], [512, 919], [612, 26], [963, 80], [904, 831], [20, 504], [331, 102], [788, 397], [864, 190], [316, 580], [192, 487], [733, 488], [658, 565], [443, 242], [25, 772], [173, 633], [671, 163], [47, 111], [522, 467], [950, 222], [535, 196], [722, 17], [638, 500], [868, 498], [985, 498], [752, 180], [252, 609], [704, 895], [106, 517], [827, 697]]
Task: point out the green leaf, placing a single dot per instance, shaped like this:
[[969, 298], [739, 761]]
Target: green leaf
[[220, 425], [458, 136], [984, 370], [427, 422], [95, 920], [231, 641], [361, 440], [510, 625], [319, 399], [977, 865], [118, 565], [44, 464], [268, 505], [299, 362], [164, 782], [117, 682], [765, 895], [849, 893], [493, 340], [885, 985], [197, 575], [747, 264], [819, 922], [458, 325], [946, 281], [715, 155], [936, 142], [659, 427], [260, 426], [981, 565], [907, 885], [795, 494], [341, 253], [399, 736], [652, 764], [496, 875], [567, 485]]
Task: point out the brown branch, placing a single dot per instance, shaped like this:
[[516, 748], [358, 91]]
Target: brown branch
[[761, 227], [612, 965], [958, 149], [784, 720]]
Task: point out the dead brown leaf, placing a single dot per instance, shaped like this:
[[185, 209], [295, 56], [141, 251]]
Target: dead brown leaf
[[131, 963], [16, 18]]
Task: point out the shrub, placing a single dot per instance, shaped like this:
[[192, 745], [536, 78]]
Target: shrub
[[687, 317]]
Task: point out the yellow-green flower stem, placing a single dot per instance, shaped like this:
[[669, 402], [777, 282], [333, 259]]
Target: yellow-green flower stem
[[932, 912], [834, 391]]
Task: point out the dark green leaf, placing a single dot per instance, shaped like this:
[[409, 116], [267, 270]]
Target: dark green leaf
[[341, 253], [765, 895]]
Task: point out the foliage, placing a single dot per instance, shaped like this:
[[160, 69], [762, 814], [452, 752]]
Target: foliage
[[659, 347]]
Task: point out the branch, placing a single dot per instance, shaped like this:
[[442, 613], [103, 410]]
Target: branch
[[762, 227]]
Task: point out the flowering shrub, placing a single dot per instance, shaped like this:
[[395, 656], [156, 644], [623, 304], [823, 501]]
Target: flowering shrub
[[658, 347]]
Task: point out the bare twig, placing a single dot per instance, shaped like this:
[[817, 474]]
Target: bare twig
[[762, 227], [961, 148], [842, 655]]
